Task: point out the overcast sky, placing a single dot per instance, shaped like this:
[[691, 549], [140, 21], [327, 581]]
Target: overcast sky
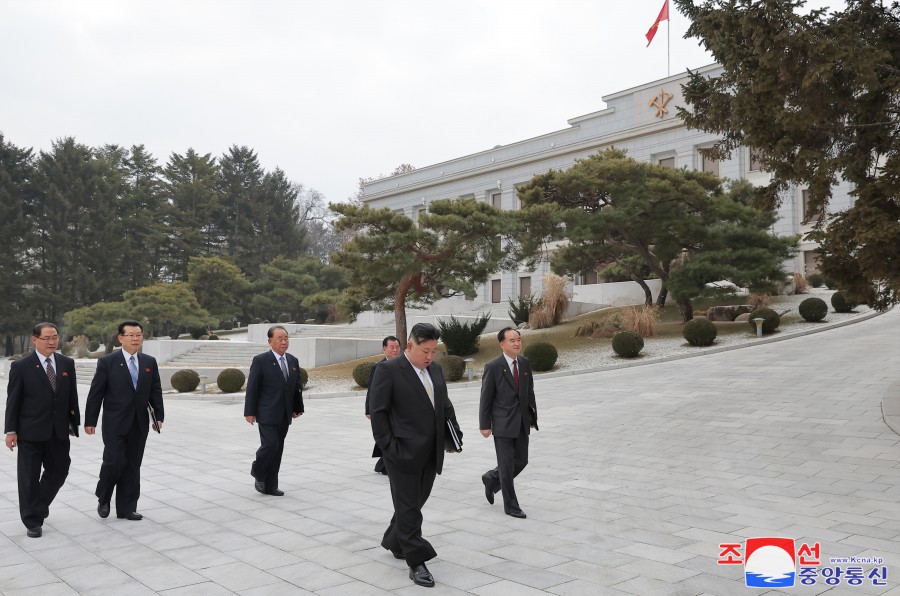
[[327, 90]]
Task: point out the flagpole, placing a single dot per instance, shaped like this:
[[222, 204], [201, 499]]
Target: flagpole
[[668, 45]]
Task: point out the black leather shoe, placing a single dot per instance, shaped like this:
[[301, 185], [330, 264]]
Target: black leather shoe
[[517, 513], [103, 510], [421, 576], [133, 516], [35, 532], [275, 492], [488, 493], [398, 555], [259, 486]]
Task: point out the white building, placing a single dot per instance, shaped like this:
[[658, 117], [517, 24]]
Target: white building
[[642, 120]]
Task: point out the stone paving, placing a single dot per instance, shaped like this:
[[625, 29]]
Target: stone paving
[[636, 476]]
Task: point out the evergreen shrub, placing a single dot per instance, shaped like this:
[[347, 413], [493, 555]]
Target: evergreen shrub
[[453, 368], [627, 344], [198, 332], [770, 318], [840, 303], [361, 373], [542, 355], [461, 339], [700, 332], [185, 380], [813, 309], [816, 280], [231, 380], [304, 377]]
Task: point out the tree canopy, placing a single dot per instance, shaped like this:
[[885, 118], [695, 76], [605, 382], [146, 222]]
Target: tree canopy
[[680, 223], [816, 95], [393, 261]]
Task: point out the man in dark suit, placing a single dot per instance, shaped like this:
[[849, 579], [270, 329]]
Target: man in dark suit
[[507, 411], [274, 396], [125, 384], [409, 405], [390, 346], [41, 403]]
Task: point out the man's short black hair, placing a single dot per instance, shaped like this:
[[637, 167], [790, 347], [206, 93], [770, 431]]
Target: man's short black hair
[[39, 328], [501, 335], [422, 332], [272, 329], [129, 324], [387, 339]]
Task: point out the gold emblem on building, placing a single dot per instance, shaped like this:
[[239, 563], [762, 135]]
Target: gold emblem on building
[[659, 102]]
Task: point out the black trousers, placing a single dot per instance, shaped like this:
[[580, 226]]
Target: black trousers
[[36, 490], [268, 457], [409, 491], [121, 468], [512, 457]]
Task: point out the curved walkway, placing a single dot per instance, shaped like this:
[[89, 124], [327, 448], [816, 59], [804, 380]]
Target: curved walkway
[[636, 477]]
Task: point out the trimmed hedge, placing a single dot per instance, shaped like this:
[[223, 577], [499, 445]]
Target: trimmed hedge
[[453, 367], [813, 309], [185, 381], [840, 303], [361, 373], [230, 380], [700, 332], [542, 355], [627, 344], [771, 320], [816, 280]]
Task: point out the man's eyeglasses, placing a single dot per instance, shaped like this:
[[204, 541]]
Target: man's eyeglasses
[[135, 335], [49, 339]]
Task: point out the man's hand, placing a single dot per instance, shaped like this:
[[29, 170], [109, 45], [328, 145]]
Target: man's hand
[[297, 414], [369, 416], [12, 440], [486, 432], [159, 425], [250, 419], [90, 429]]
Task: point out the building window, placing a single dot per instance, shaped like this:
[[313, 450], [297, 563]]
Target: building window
[[525, 286], [495, 200], [667, 162], [495, 291], [810, 262], [811, 213], [589, 277], [418, 213], [710, 166], [755, 161]]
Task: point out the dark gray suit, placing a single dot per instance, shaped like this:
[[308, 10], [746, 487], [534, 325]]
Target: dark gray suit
[[272, 400], [504, 409], [40, 418], [410, 434]]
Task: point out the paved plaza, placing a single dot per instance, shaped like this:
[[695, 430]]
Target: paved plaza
[[636, 476]]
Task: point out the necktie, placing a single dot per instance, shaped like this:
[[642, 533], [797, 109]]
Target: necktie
[[516, 372], [132, 368], [284, 368], [427, 383], [51, 374]]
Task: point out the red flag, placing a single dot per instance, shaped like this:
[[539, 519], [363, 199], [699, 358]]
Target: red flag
[[663, 16]]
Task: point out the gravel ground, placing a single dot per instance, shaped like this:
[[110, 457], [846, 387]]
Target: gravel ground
[[593, 358]]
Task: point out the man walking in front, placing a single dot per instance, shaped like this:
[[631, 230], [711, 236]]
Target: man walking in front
[[126, 385], [409, 408], [390, 346], [274, 396], [41, 403], [507, 411]]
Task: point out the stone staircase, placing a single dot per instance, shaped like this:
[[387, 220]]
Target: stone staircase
[[220, 354]]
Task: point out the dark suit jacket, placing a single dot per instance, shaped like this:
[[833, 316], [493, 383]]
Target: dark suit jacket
[[269, 397], [404, 424], [369, 388], [33, 411], [503, 408], [111, 388]]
